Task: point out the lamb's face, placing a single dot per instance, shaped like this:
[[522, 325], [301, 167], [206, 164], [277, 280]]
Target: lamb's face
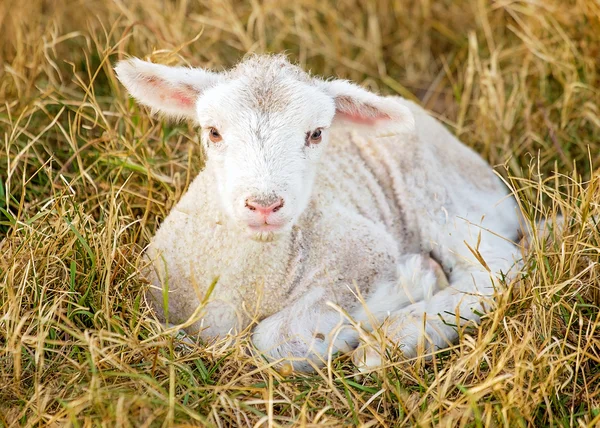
[[264, 141], [264, 126]]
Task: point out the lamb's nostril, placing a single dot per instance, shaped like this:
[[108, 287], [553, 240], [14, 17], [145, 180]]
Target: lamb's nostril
[[278, 207], [249, 206], [264, 207]]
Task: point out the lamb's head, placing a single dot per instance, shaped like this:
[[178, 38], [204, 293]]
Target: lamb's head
[[265, 125]]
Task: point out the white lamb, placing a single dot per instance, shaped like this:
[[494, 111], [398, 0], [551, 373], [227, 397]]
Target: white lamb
[[317, 213]]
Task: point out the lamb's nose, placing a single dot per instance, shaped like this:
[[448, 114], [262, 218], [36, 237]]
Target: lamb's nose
[[263, 207]]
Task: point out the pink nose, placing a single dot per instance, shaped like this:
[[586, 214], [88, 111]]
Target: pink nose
[[262, 208]]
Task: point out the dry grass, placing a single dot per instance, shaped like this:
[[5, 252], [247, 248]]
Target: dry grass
[[85, 177]]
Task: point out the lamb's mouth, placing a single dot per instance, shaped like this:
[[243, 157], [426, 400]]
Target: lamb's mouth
[[266, 227]]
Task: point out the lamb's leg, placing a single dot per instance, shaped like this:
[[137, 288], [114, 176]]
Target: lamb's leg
[[305, 333], [419, 277], [432, 324]]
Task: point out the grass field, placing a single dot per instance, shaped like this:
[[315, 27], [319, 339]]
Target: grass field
[[86, 176]]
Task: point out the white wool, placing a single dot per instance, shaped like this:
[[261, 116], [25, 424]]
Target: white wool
[[386, 185]]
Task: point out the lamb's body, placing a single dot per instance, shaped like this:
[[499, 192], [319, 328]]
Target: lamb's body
[[377, 198], [354, 189]]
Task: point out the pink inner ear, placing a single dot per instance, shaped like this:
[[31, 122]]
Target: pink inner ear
[[355, 111], [362, 119], [178, 96], [182, 99]]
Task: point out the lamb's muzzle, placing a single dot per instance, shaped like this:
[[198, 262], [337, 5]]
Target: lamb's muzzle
[[317, 209]]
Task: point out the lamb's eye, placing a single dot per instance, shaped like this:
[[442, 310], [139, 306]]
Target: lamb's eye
[[314, 137], [214, 136]]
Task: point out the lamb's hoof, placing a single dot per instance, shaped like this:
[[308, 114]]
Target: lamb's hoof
[[366, 357], [440, 275]]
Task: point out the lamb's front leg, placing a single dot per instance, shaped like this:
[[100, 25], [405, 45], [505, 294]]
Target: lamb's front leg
[[305, 333], [308, 331]]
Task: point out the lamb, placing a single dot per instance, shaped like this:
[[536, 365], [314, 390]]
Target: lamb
[[325, 213]]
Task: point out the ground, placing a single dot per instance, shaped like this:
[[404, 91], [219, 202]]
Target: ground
[[86, 176]]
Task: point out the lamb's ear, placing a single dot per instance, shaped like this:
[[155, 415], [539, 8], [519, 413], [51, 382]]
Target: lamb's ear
[[357, 105], [172, 91]]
